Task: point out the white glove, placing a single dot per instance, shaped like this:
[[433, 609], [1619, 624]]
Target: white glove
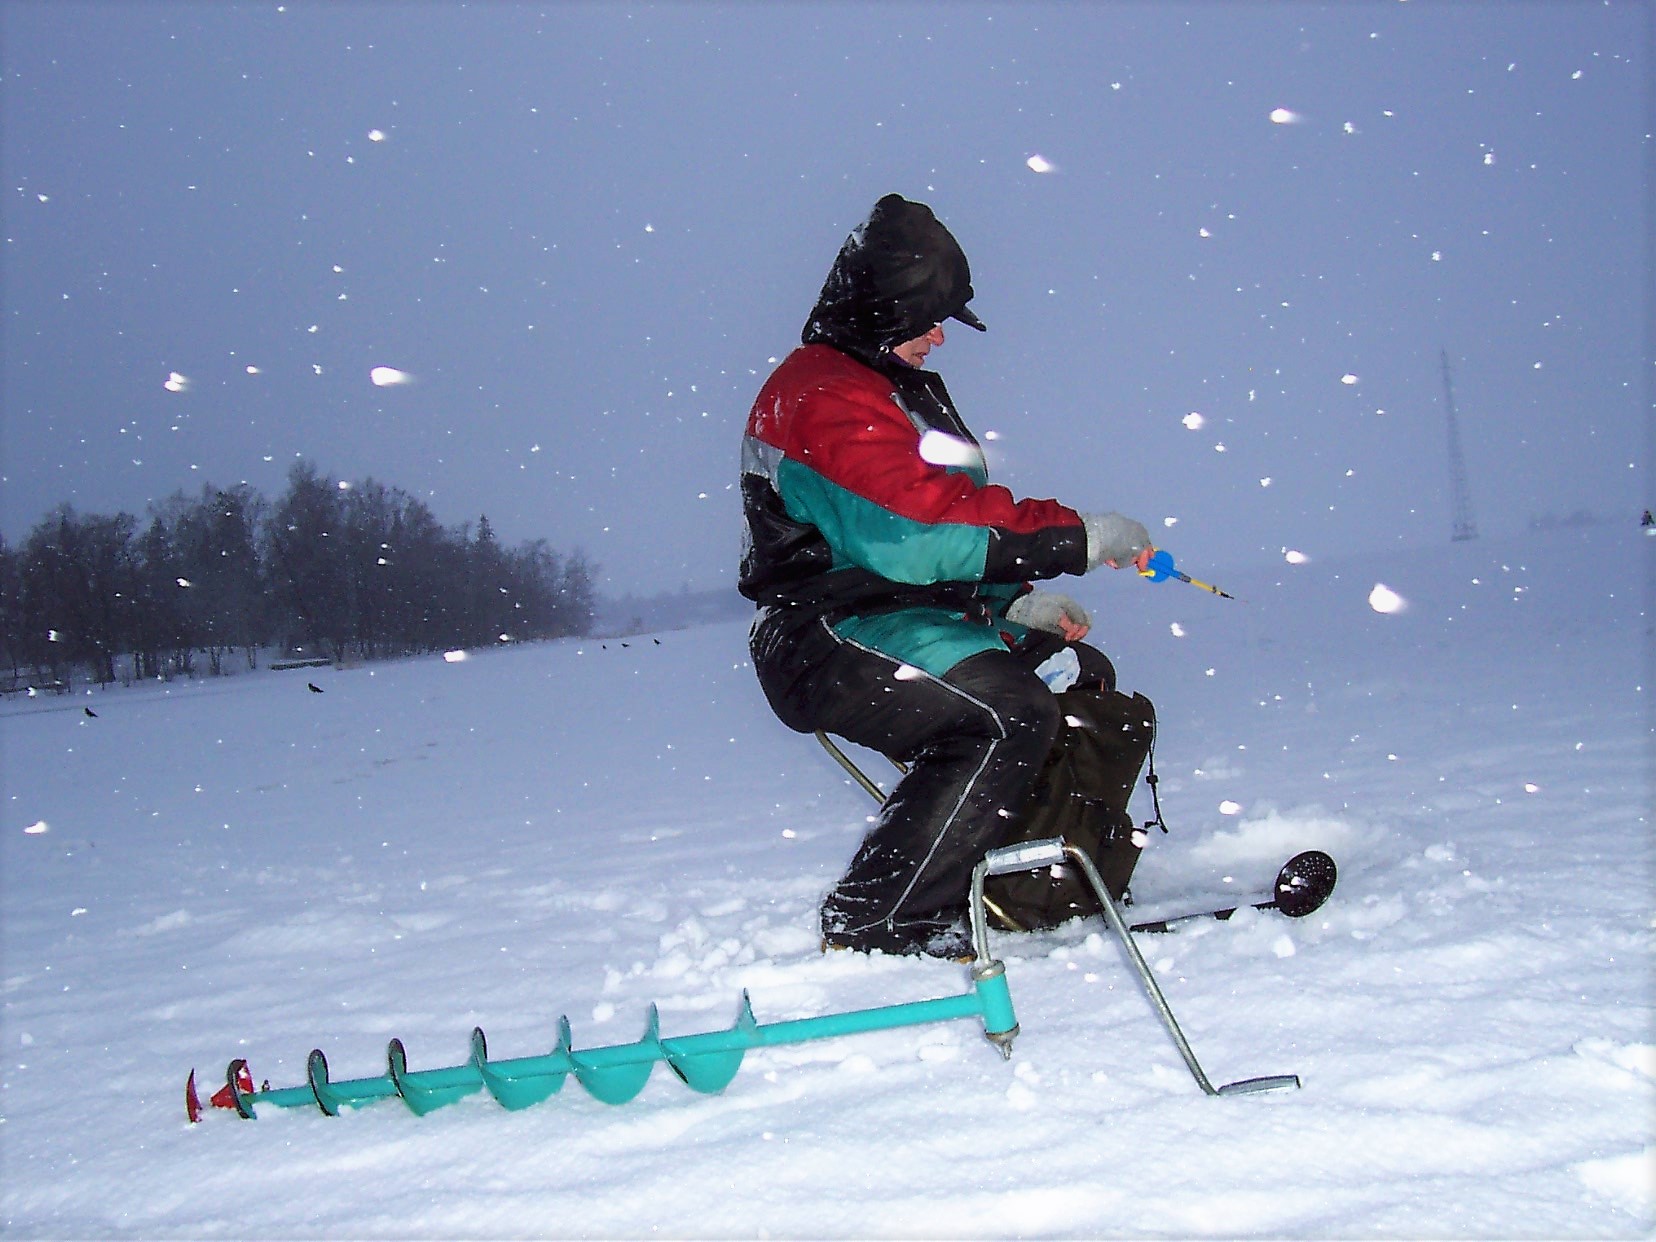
[[1113, 539], [1044, 610]]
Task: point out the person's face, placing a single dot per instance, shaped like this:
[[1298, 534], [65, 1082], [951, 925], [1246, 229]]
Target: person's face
[[914, 352]]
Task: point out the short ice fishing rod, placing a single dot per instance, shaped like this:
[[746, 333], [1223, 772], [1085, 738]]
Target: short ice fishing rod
[[1158, 567]]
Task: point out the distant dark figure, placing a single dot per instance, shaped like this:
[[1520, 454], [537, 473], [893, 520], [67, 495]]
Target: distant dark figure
[[1648, 520]]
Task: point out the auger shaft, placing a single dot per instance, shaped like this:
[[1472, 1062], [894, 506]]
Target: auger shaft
[[616, 1073]]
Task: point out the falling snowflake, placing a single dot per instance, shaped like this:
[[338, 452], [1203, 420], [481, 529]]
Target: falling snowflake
[[1385, 600]]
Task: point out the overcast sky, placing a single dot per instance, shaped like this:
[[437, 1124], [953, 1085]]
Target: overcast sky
[[1219, 248]]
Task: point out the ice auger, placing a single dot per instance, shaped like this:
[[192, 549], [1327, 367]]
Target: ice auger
[[705, 1062]]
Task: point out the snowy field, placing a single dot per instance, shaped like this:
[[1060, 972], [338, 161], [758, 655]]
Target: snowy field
[[244, 868]]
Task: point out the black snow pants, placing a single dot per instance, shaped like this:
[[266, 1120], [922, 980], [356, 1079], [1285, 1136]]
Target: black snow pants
[[975, 739]]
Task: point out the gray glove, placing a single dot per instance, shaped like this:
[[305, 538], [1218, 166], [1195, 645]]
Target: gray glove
[[1041, 610], [1111, 537]]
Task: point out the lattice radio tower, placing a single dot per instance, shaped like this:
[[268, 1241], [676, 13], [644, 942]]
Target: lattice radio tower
[[1464, 526]]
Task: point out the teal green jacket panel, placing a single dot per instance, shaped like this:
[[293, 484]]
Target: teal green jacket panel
[[870, 536], [931, 639]]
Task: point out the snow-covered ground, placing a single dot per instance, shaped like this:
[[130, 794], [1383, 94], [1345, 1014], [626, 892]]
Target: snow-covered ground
[[244, 868]]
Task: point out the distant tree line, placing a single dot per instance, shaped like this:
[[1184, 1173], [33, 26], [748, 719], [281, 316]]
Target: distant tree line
[[342, 571]]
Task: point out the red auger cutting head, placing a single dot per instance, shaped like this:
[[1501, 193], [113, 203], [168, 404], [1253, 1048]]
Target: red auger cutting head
[[224, 1097]]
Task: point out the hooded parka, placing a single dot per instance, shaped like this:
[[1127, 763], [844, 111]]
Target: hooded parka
[[882, 560]]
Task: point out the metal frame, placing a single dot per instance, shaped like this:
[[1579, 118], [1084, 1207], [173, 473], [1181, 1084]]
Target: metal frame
[[1032, 855]]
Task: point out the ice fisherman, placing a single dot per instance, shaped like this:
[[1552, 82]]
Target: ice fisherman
[[893, 582]]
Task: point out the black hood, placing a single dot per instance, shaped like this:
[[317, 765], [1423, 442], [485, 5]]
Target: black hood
[[898, 274]]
